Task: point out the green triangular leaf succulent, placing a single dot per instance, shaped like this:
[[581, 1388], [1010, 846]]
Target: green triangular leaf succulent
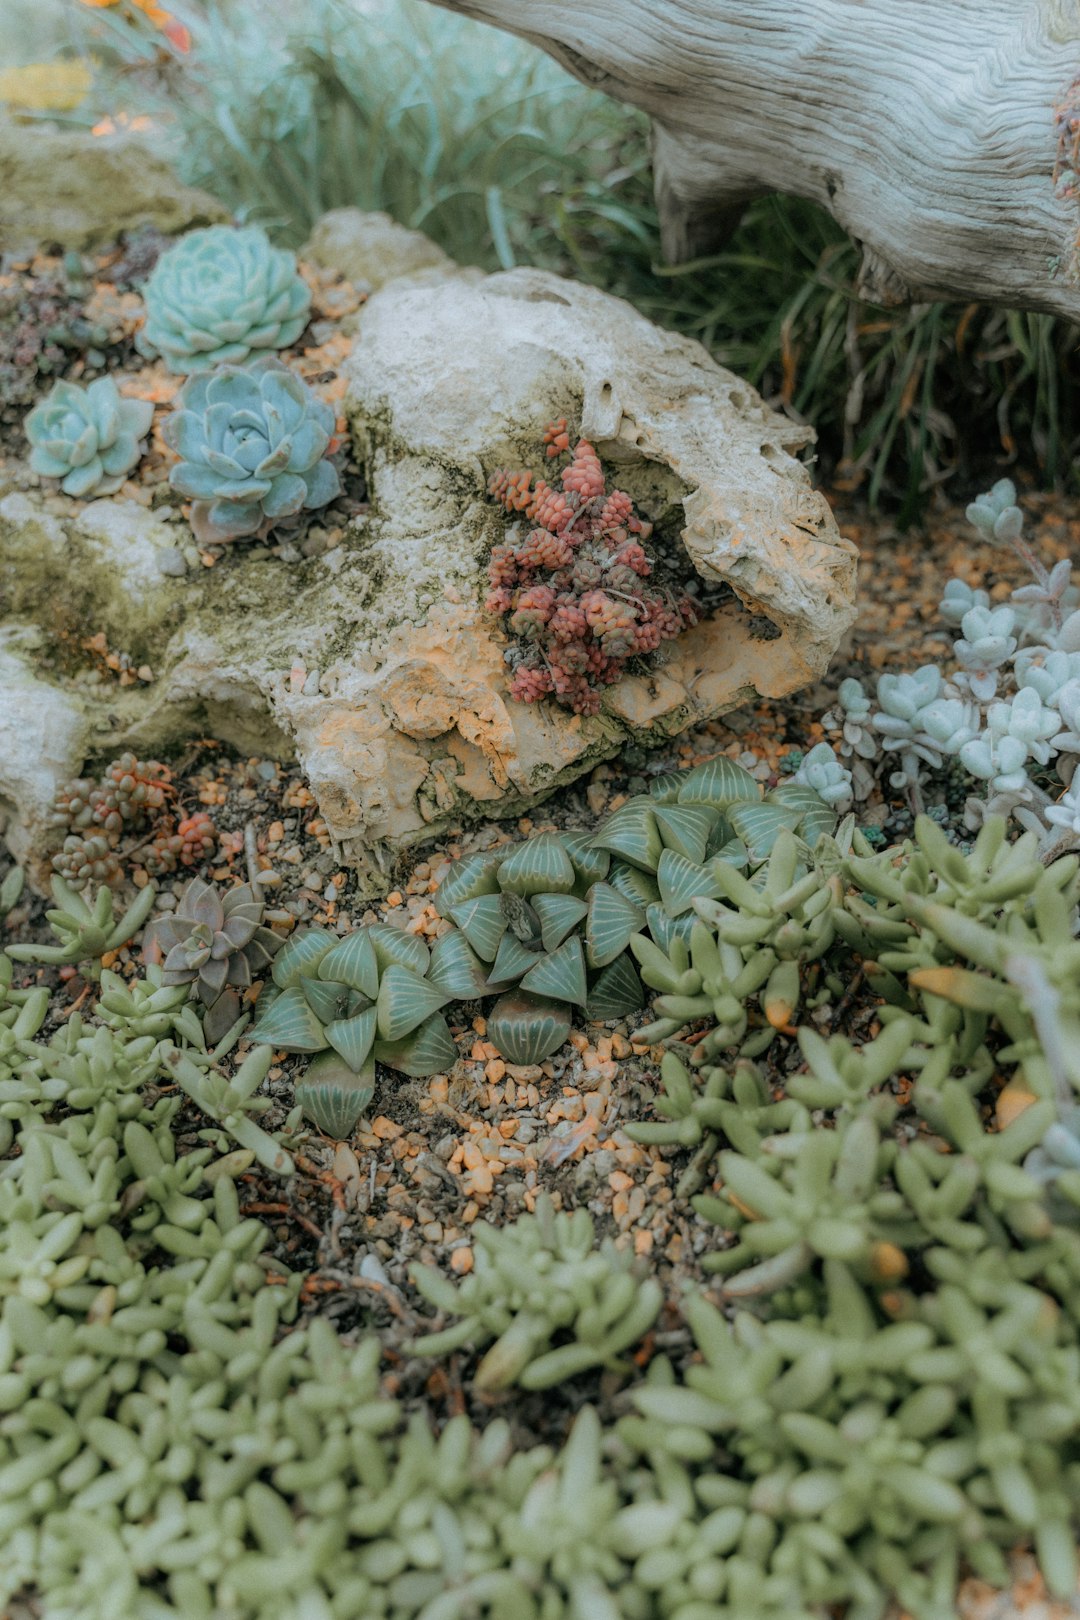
[[734, 853], [538, 866], [612, 920], [330, 1001], [300, 956], [526, 1029], [353, 962], [512, 960], [638, 886], [483, 922], [468, 877], [456, 969], [663, 927], [759, 825], [428, 1050], [393, 945], [290, 1024], [682, 882], [352, 1037], [590, 864], [559, 914], [687, 828], [405, 1000], [560, 976], [616, 992], [333, 1094], [721, 783], [816, 818], [664, 789], [632, 833]]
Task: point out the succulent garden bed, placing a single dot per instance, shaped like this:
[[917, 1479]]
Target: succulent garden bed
[[82, 317], [902, 1354], [661, 1204]]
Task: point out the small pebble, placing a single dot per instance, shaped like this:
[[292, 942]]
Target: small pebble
[[372, 1270], [171, 563]]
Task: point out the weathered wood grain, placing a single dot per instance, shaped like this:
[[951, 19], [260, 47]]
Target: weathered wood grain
[[930, 129]]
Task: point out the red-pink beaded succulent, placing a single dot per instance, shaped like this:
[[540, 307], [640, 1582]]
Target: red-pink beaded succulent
[[573, 585]]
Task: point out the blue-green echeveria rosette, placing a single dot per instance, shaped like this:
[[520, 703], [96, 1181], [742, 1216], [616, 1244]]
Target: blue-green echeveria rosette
[[218, 296], [89, 438], [252, 442]]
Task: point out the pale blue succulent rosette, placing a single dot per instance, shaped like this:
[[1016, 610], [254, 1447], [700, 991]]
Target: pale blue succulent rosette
[[219, 295], [252, 442], [89, 438]]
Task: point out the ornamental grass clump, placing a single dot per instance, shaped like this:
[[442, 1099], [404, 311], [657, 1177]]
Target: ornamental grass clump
[[220, 295], [576, 589], [253, 443], [89, 438]]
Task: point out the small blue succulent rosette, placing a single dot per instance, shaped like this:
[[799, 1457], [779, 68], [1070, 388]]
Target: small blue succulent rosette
[[252, 442], [88, 438], [220, 295]]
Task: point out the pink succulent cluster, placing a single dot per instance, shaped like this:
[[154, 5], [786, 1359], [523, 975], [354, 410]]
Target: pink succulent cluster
[[573, 587]]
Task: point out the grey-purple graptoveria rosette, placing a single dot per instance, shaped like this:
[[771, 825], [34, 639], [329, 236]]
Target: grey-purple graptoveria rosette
[[89, 438], [252, 442], [219, 295], [218, 945]]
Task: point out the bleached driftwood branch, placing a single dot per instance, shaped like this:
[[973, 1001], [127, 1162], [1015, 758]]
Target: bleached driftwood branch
[[939, 133]]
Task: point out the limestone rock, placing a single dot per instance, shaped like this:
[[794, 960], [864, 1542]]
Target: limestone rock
[[74, 188], [42, 739], [375, 663], [373, 249]]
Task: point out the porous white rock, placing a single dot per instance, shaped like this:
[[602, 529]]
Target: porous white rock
[[42, 738], [69, 187], [372, 250]]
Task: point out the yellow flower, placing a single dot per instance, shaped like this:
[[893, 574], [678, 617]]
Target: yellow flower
[[46, 86]]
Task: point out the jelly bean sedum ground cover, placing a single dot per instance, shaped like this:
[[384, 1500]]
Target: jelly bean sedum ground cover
[[757, 1301], [662, 1208]]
